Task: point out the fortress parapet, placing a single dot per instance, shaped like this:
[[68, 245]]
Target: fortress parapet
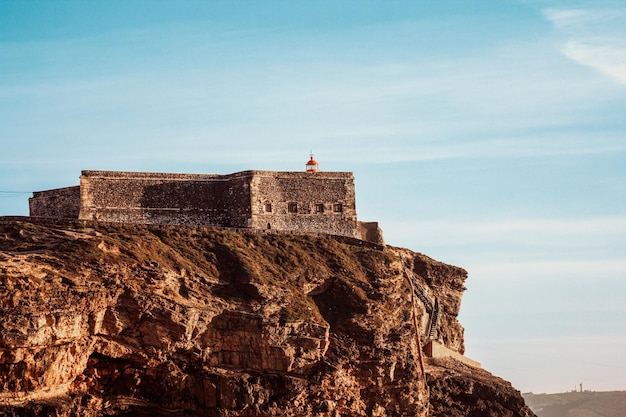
[[319, 202], [58, 203]]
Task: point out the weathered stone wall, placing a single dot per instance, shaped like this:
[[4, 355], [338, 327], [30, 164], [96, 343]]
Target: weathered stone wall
[[434, 349], [318, 202], [156, 198], [59, 203], [371, 232], [322, 202]]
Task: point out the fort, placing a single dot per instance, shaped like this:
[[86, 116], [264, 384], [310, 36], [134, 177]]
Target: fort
[[309, 201]]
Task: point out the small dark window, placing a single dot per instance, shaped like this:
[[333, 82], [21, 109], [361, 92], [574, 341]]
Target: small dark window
[[292, 207], [319, 208], [268, 207], [337, 207]]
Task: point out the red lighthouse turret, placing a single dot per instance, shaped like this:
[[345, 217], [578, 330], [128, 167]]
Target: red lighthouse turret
[[312, 165]]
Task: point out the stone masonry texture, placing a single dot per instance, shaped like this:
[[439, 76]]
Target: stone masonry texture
[[59, 203], [321, 202]]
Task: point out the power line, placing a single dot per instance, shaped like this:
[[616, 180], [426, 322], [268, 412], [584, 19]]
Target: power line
[[4, 193]]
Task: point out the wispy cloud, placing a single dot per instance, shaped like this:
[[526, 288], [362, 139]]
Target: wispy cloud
[[594, 38], [450, 231], [574, 19], [531, 248], [475, 107], [557, 271], [607, 60]]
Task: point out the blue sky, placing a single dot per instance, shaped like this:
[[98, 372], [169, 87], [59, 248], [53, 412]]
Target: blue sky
[[486, 134]]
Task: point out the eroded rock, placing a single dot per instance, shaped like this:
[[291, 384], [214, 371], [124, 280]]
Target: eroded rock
[[131, 320]]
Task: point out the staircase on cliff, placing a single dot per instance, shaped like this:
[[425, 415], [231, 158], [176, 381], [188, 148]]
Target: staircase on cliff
[[432, 306]]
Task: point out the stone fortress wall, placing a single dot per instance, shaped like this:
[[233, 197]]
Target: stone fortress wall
[[59, 203], [156, 198], [320, 202]]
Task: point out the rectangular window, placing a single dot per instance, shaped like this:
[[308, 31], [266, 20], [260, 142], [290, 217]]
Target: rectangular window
[[319, 208], [292, 207], [268, 207], [337, 207]]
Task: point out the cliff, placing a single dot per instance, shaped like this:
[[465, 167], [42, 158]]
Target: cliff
[[128, 320]]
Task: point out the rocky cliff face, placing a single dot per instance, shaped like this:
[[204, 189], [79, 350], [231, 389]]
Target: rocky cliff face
[[129, 320]]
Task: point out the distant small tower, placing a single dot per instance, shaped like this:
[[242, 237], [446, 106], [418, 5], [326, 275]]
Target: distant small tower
[[312, 166]]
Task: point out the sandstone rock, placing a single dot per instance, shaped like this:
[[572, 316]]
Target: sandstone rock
[[128, 320]]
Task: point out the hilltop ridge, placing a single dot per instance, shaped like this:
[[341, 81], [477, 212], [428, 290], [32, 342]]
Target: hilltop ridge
[[114, 319], [580, 404]]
